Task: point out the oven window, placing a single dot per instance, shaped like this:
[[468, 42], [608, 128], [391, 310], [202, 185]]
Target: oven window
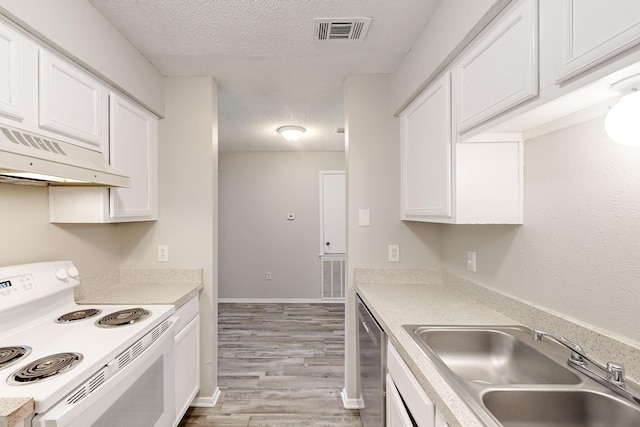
[[142, 404]]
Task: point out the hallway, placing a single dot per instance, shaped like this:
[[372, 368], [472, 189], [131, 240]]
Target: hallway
[[280, 365]]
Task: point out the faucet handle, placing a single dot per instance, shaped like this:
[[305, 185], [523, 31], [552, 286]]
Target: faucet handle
[[615, 372]]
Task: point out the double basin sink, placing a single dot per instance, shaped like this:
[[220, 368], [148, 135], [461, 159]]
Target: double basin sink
[[509, 380]]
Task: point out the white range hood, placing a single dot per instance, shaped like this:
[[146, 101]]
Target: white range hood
[[28, 158]]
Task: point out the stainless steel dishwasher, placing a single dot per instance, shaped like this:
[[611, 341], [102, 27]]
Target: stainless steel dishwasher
[[372, 350]]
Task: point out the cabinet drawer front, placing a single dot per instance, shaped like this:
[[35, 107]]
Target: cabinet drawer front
[[70, 101], [419, 404], [596, 30], [11, 88], [501, 70], [186, 312]]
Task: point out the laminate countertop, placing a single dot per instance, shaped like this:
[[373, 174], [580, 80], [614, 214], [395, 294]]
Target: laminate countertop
[[141, 293], [430, 304]]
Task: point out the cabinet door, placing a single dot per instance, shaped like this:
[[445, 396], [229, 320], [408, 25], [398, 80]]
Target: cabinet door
[[426, 154], [133, 149], [501, 70], [11, 88], [596, 30], [397, 415], [187, 366], [72, 103]]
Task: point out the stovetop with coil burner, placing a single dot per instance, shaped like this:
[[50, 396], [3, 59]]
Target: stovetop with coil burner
[[51, 344]]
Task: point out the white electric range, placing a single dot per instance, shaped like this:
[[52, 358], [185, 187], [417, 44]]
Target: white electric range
[[102, 365]]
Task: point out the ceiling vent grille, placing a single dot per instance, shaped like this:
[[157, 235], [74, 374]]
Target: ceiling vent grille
[[341, 28]]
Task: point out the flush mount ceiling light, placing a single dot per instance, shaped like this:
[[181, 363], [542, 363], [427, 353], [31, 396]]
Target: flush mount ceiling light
[[291, 133], [622, 123]]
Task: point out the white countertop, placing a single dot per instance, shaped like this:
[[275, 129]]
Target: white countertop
[[433, 304], [142, 293]]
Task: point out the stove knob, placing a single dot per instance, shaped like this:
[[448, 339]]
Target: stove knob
[[61, 274], [73, 272]]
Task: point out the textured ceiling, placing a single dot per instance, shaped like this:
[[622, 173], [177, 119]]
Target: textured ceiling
[[263, 55]]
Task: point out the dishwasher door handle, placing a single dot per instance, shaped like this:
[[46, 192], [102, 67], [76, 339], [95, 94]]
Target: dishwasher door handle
[[366, 328]]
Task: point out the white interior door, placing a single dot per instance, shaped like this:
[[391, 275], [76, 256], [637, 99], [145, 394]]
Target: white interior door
[[333, 212]]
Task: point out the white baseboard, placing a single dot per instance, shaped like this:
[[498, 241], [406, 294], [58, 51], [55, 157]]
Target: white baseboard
[[280, 300], [207, 401], [351, 403]]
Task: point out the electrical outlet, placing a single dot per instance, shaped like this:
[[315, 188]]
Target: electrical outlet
[[394, 253], [268, 275], [471, 261], [163, 253]]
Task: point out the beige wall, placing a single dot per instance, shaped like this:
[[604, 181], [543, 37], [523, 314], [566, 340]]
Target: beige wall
[[188, 186], [257, 191], [27, 236], [578, 252], [373, 174], [76, 28]]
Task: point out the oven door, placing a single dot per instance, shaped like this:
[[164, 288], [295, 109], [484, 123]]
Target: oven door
[[140, 394]]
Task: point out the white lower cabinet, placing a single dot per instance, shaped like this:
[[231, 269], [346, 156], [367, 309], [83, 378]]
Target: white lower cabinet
[[405, 396], [187, 357]]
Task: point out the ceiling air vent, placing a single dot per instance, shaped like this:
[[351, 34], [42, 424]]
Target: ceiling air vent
[[341, 28]]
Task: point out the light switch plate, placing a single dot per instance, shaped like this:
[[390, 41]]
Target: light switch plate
[[363, 218]]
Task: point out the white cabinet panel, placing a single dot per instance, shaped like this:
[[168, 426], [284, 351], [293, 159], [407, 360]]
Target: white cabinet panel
[[187, 356], [417, 402], [71, 102], [133, 151], [397, 415], [596, 30], [426, 153], [501, 69], [11, 71]]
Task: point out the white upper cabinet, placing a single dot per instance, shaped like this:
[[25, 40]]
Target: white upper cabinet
[[134, 152], [426, 154], [445, 181], [72, 102], [500, 71], [133, 147], [595, 31], [11, 71]]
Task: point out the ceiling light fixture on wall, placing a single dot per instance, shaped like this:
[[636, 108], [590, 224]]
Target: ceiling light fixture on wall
[[622, 123], [291, 133]]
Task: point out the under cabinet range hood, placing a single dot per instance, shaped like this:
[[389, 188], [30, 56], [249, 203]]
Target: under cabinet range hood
[[28, 158]]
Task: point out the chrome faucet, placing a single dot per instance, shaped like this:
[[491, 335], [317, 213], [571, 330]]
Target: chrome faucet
[[613, 377], [614, 371]]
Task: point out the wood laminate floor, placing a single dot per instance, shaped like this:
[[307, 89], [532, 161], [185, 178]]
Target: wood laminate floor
[[280, 365]]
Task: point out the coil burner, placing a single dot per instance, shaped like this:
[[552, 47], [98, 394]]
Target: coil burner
[[78, 315], [10, 355], [123, 317], [45, 368]]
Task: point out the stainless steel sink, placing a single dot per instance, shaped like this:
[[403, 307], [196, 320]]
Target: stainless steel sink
[[567, 408], [508, 379], [492, 356]]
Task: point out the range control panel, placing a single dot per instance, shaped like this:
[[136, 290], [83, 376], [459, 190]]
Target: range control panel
[[17, 284]]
